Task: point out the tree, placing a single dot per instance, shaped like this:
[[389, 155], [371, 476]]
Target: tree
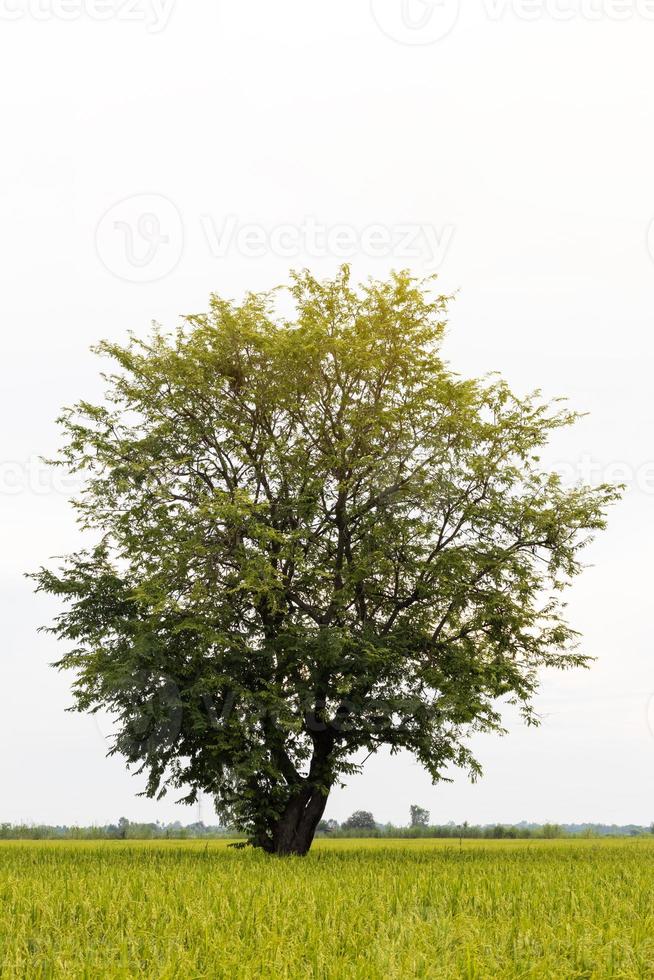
[[360, 820], [419, 816], [310, 538], [327, 826]]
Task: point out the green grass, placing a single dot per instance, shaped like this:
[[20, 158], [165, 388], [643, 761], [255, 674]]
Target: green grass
[[351, 909]]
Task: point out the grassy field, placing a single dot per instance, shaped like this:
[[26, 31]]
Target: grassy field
[[351, 909]]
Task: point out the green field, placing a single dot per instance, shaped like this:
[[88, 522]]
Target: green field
[[359, 909]]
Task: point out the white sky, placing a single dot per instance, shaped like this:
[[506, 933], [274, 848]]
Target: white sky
[[155, 152]]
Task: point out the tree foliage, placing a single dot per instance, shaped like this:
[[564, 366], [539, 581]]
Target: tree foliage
[[419, 817], [311, 539], [359, 820]]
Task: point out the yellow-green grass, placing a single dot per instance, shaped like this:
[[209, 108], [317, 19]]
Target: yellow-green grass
[[355, 909]]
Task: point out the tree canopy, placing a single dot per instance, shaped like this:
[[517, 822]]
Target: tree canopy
[[419, 817], [360, 820], [310, 538]]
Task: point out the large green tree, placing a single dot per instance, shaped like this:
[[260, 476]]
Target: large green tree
[[310, 538]]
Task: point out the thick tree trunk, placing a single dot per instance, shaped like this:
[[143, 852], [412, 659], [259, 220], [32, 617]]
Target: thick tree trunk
[[294, 831]]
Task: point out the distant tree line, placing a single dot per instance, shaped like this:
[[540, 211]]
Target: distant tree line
[[360, 824], [363, 824], [124, 829]]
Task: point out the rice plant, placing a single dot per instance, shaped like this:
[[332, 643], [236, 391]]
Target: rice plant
[[351, 909]]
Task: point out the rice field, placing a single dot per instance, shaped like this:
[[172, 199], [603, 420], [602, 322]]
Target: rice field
[[351, 909]]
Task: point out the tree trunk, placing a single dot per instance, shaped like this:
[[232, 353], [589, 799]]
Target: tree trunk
[[294, 831]]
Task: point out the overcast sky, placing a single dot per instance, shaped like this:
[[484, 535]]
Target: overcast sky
[[154, 152]]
